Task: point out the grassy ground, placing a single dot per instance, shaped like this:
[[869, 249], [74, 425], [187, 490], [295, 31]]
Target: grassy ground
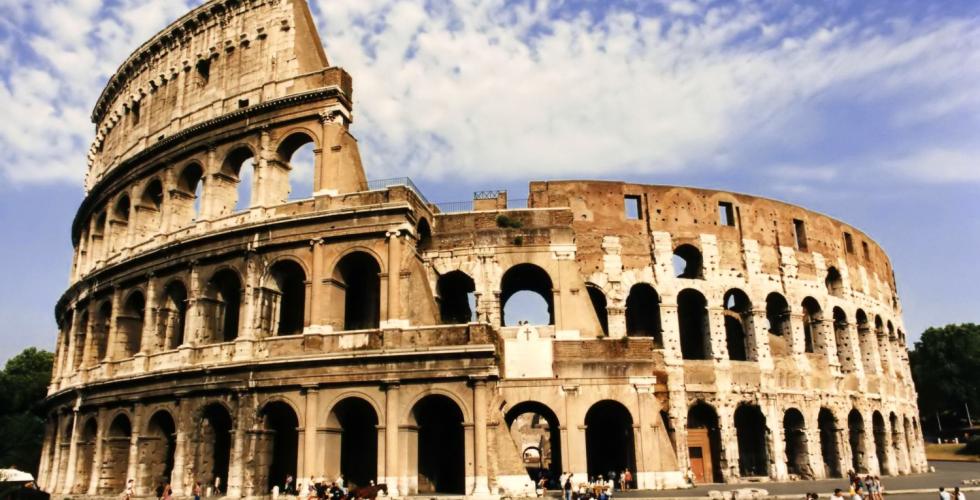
[[948, 451]]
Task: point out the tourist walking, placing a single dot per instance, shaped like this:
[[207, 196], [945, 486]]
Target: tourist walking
[[197, 490], [129, 491], [943, 494], [567, 486], [958, 495], [627, 479], [837, 495]]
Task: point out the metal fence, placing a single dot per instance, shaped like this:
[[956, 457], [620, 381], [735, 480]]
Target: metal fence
[[449, 207], [396, 181]]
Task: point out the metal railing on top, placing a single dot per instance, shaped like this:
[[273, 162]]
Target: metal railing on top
[[449, 207], [396, 181]]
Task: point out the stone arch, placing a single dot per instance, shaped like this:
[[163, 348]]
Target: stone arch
[[223, 314], [188, 197], [150, 208], [609, 438], [738, 323], [797, 447], [692, 317], [880, 435], [284, 298], [99, 234], [352, 439], [529, 279], [300, 173], [829, 448], [855, 432], [842, 335], [598, 299], [115, 455], [457, 297], [129, 324], [423, 231], [643, 313], [535, 424], [780, 328], [812, 318], [704, 442], [212, 444], [239, 167], [896, 441], [753, 440], [688, 262], [172, 314], [158, 443], [866, 342], [119, 222], [884, 346], [85, 455], [357, 288], [278, 445], [439, 464], [834, 282], [100, 331]]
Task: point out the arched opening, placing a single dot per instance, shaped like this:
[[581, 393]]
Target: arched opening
[[534, 426], [280, 443], [812, 316], [80, 338], [598, 299], [157, 447], [441, 446], [424, 232], [526, 296], [880, 434], [457, 298], [115, 456], [297, 153], [358, 279], [777, 313], [213, 446], [855, 432], [173, 315], [190, 190], [225, 292], [704, 448], [150, 209], [353, 441], [797, 454], [829, 450], [738, 314], [692, 317], [897, 436], [85, 455], [99, 243], [643, 313], [130, 325], [884, 347], [834, 282], [240, 166], [909, 437], [752, 433], [609, 442], [100, 331], [688, 263], [843, 338], [867, 342], [287, 297], [120, 223]]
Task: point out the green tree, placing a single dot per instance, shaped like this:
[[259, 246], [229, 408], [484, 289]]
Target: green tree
[[23, 386], [945, 363]]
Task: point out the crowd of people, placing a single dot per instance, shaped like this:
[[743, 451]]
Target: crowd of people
[[314, 489], [591, 488]]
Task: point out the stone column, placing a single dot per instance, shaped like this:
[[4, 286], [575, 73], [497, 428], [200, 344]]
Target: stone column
[[112, 334], [645, 443], [71, 468], [671, 333], [616, 318], [394, 280], [100, 435], [759, 341], [716, 341], [56, 471], [729, 438], [481, 486], [317, 301], [44, 469], [576, 446], [311, 402], [236, 467], [182, 456], [392, 422], [90, 356], [797, 336], [149, 339], [68, 366], [134, 445]]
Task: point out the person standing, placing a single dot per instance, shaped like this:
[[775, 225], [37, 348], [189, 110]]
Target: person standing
[[837, 495], [627, 479], [217, 486], [943, 494], [167, 492], [567, 486], [129, 491], [197, 490], [957, 494]]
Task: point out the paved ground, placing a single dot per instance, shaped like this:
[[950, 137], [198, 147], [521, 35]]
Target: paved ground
[[948, 474]]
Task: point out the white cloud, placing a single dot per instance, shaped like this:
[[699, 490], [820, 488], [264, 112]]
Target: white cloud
[[482, 89], [939, 165]]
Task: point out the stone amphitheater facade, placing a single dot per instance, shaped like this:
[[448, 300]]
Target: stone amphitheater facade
[[361, 330]]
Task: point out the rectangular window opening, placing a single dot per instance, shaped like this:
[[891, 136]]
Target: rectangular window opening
[[136, 113], [848, 242], [799, 228], [632, 203], [867, 251], [726, 213], [243, 103]]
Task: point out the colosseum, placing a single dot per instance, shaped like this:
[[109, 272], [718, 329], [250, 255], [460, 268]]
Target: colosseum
[[232, 317]]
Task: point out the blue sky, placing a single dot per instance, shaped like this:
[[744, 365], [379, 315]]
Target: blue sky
[[866, 110]]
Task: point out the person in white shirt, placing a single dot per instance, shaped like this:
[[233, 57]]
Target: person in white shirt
[[957, 494], [943, 494], [837, 495]]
